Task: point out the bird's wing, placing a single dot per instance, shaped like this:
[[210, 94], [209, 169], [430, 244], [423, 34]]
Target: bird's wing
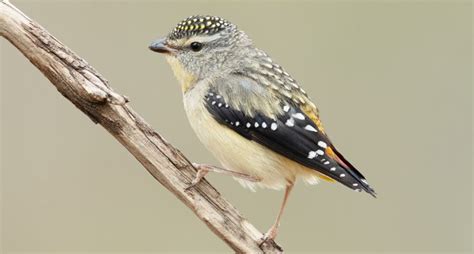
[[291, 131]]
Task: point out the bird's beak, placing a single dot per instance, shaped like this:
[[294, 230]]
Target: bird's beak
[[161, 46]]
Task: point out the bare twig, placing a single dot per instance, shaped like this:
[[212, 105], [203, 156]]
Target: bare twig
[[90, 92]]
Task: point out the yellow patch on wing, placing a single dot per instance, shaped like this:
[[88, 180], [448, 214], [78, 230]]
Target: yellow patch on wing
[[325, 178], [330, 152], [313, 114]]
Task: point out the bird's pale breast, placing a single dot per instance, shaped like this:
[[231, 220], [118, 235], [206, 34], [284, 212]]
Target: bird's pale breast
[[239, 154]]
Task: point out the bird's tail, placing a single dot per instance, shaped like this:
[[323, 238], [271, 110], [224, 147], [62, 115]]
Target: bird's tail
[[356, 180]]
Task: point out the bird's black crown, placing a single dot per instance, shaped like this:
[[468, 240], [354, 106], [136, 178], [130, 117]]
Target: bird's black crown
[[199, 24]]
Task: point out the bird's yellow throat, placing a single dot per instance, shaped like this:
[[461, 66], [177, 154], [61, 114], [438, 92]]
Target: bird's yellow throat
[[185, 78]]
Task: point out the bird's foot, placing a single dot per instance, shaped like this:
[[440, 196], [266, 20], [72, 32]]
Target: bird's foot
[[270, 235], [201, 172], [203, 169]]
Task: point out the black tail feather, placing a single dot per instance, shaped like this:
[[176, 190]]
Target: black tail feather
[[355, 174]]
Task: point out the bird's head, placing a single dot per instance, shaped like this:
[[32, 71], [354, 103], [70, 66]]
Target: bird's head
[[203, 46]]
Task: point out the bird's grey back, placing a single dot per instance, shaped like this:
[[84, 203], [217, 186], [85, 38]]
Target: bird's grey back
[[237, 56]]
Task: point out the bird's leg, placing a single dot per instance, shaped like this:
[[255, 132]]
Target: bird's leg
[[273, 231], [203, 169]]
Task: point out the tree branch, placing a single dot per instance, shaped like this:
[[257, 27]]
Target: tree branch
[[76, 80]]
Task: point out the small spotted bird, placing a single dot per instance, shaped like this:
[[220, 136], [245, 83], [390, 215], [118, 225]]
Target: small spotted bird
[[249, 112]]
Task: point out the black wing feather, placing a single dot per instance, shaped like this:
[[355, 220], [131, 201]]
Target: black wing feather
[[292, 134]]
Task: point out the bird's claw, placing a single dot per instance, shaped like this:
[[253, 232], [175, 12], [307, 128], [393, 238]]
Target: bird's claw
[[199, 176], [265, 240], [269, 236], [192, 185]]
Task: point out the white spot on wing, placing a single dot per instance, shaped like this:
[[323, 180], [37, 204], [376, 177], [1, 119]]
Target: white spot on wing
[[298, 116], [311, 154], [322, 144], [290, 122], [286, 108], [274, 126], [310, 128], [320, 152]]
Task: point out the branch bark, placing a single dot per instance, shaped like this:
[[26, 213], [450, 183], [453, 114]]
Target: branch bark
[[76, 80]]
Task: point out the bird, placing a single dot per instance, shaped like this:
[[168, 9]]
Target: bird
[[250, 113]]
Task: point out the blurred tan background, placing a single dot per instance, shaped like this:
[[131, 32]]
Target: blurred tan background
[[392, 80]]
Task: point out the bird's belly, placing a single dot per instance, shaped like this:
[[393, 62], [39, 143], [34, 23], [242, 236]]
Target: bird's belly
[[239, 154]]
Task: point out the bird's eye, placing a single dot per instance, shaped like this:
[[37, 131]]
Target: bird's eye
[[196, 46]]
